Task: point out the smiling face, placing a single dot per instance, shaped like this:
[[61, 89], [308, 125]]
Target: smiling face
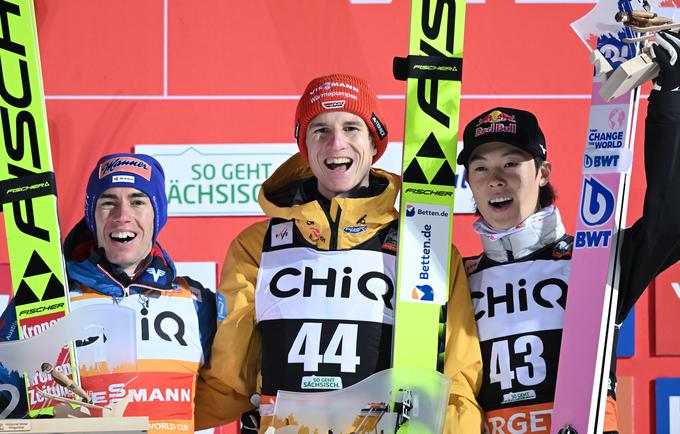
[[340, 152], [124, 218], [505, 183]]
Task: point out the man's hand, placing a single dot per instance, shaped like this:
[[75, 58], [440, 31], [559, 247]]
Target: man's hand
[[665, 52]]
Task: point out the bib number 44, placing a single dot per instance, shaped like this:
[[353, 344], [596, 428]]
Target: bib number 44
[[341, 350]]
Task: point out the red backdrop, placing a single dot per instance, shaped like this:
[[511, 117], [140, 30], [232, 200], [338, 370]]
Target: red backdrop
[[133, 72]]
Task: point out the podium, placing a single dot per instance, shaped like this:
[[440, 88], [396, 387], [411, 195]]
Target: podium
[[89, 425]]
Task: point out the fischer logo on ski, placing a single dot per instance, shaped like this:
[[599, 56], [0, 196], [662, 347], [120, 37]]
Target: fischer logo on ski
[[432, 70], [27, 189]]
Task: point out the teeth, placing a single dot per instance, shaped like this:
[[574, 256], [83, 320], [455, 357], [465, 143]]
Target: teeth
[[338, 160], [500, 199], [122, 235]]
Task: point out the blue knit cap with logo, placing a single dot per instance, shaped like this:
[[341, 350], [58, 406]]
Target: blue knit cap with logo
[[138, 171]]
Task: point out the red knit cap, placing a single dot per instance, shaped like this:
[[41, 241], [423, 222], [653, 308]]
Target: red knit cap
[[340, 92]]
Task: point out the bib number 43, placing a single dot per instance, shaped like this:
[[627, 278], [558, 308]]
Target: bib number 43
[[341, 350], [530, 373]]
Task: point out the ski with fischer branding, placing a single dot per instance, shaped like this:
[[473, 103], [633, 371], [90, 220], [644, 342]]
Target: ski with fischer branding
[[433, 72], [29, 202], [589, 319]]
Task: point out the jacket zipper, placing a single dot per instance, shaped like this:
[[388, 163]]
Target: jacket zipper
[[333, 244]]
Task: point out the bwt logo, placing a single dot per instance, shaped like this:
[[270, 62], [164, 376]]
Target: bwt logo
[[600, 161], [410, 210], [613, 50], [423, 292], [592, 239], [597, 207], [597, 203]]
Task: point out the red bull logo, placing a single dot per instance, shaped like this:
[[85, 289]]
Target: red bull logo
[[498, 122], [494, 117]]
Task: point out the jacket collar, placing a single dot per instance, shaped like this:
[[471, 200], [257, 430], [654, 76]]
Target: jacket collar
[[537, 231], [88, 266], [290, 193]]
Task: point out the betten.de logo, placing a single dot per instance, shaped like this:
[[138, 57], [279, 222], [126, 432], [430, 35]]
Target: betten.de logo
[[423, 292]]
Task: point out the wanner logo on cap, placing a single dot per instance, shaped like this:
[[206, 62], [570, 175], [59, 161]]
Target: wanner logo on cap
[[125, 164]]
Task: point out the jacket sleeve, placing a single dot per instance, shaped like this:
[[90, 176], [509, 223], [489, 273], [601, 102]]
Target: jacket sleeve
[[226, 384], [463, 357], [206, 310], [9, 326], [652, 244]]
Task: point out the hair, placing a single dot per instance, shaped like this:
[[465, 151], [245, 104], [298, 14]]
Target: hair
[[546, 194]]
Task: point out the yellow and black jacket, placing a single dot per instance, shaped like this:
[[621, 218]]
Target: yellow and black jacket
[[309, 298]]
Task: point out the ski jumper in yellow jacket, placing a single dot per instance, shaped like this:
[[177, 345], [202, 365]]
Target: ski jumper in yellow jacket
[[322, 268]]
